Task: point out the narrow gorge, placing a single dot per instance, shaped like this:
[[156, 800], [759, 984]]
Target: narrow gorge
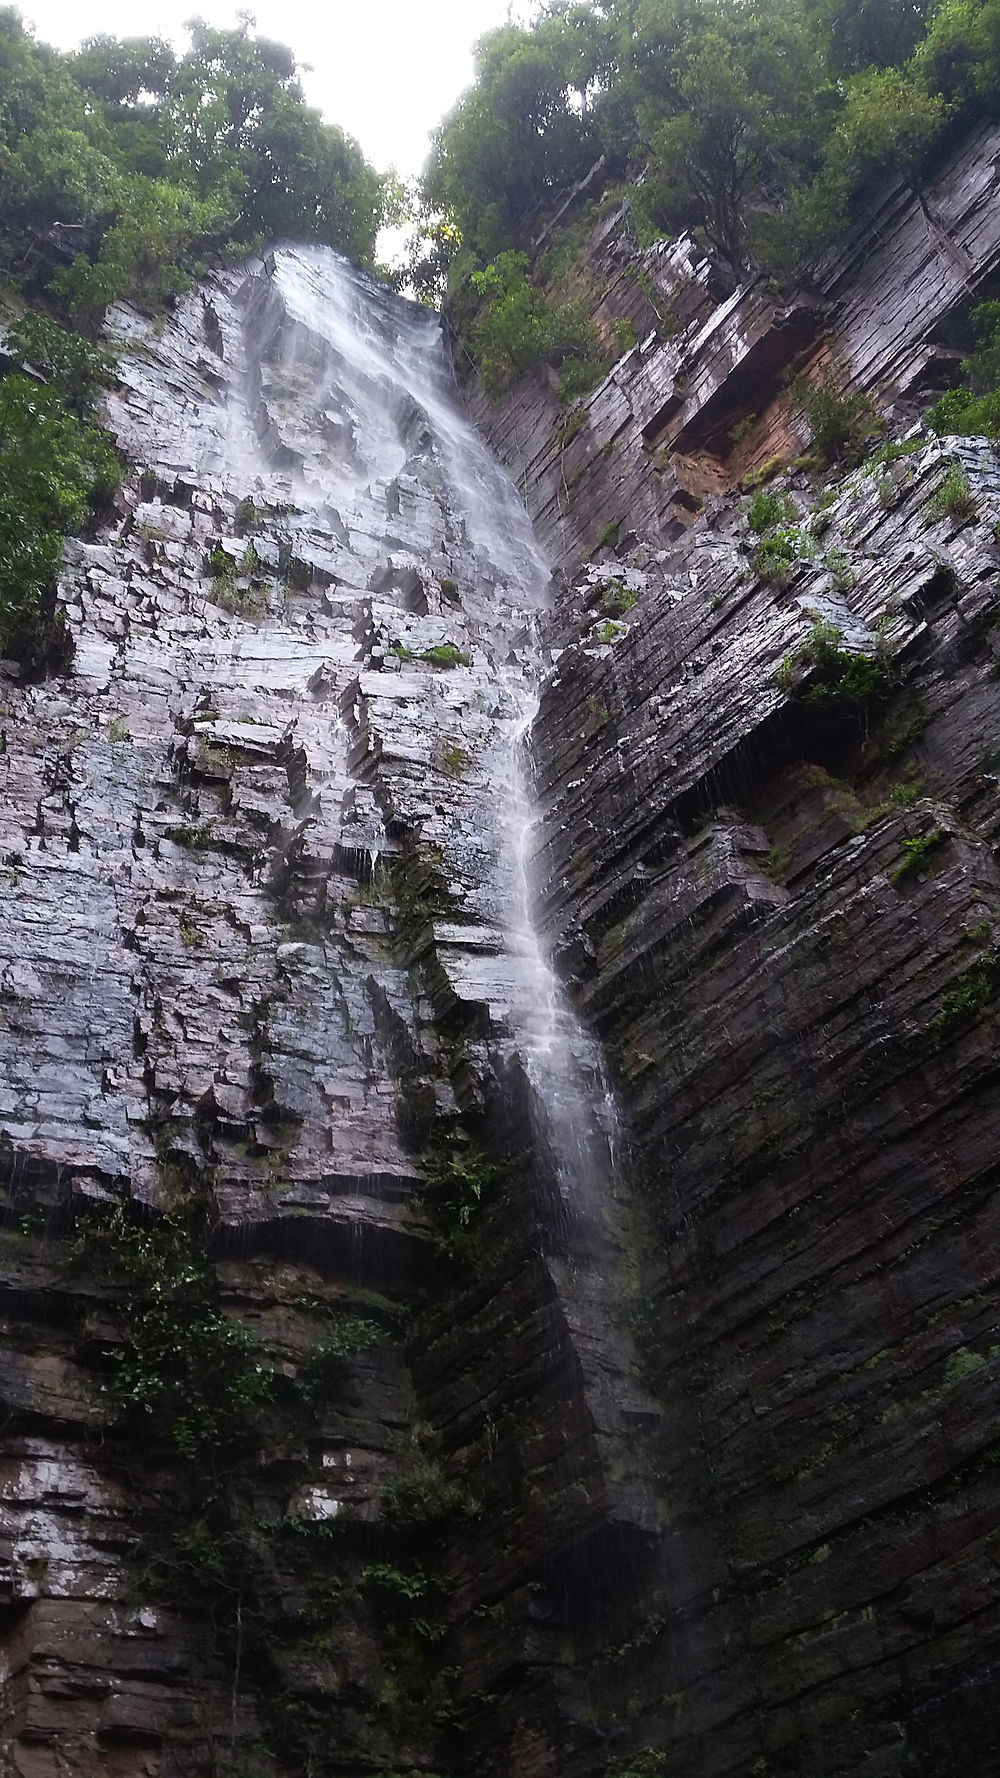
[[499, 1106]]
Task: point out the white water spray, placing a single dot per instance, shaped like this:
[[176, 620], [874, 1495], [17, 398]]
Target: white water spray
[[381, 383], [572, 1105]]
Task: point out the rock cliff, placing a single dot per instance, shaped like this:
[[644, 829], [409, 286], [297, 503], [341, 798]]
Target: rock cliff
[[268, 1050], [771, 813], [373, 1401]]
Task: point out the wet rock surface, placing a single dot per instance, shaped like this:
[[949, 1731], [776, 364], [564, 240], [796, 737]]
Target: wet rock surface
[[691, 1473], [771, 879], [701, 400], [257, 1005]]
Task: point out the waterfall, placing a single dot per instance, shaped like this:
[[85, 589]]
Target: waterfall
[[378, 372], [572, 1105], [376, 368], [278, 994]]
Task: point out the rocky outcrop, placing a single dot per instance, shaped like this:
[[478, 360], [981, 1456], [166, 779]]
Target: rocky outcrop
[[701, 401], [263, 1107], [373, 1400], [769, 778]]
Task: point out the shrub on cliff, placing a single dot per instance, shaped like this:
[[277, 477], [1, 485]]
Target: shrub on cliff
[[974, 407], [54, 468], [822, 673], [518, 327], [841, 423]]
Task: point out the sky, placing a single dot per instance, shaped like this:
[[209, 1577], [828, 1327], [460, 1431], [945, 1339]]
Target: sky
[[385, 70]]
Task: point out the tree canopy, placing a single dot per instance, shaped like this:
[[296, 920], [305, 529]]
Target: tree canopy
[[130, 163], [757, 124]]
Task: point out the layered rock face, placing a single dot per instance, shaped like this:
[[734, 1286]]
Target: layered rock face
[[272, 1055], [375, 1400], [700, 401], [769, 766]]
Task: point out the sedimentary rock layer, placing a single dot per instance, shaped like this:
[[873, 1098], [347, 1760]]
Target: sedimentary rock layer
[[263, 1118], [770, 780]]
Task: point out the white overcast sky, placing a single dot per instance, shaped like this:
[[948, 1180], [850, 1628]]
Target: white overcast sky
[[386, 70]]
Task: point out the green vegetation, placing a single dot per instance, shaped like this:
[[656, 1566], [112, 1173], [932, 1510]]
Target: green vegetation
[[445, 654], [76, 368], [897, 448], [154, 160], [766, 473], [759, 129], [841, 426], [901, 796], [441, 654], [459, 1179], [248, 600], [975, 989], [210, 1404], [839, 567], [193, 1380], [56, 469], [954, 498], [322, 1370], [974, 407], [617, 599], [821, 672], [780, 542], [571, 427], [198, 1378], [423, 1495], [518, 327], [916, 853], [963, 1362], [776, 554], [766, 512], [453, 759], [644, 1762], [394, 1586]]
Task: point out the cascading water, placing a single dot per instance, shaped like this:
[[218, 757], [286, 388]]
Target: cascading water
[[380, 376], [572, 1105], [279, 961], [377, 371]]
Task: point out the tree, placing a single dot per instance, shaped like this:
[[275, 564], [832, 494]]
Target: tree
[[519, 137], [52, 465], [129, 80], [142, 161], [861, 34], [706, 160], [959, 58]]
